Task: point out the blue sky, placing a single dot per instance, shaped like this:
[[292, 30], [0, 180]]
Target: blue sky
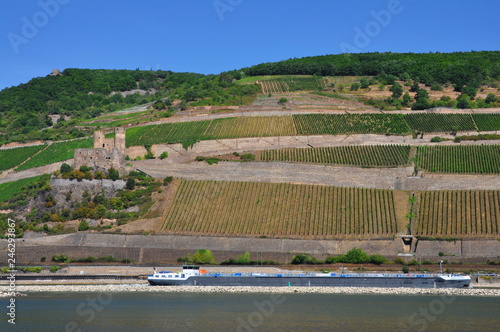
[[210, 36]]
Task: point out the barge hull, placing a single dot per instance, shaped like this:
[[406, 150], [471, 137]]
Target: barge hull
[[383, 282]]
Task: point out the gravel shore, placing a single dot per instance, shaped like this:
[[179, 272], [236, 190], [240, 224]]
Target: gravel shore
[[230, 289]]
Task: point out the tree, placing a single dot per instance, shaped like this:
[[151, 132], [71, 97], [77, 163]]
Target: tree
[[203, 256], [159, 105], [490, 98], [283, 100], [463, 101], [421, 93], [113, 174], [406, 99], [397, 90], [130, 185], [355, 86], [364, 83], [65, 168], [421, 104], [421, 100], [164, 155], [414, 87], [470, 91]]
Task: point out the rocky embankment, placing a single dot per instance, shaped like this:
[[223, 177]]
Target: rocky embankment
[[230, 289]]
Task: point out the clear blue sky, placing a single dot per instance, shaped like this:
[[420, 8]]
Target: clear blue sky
[[210, 36]]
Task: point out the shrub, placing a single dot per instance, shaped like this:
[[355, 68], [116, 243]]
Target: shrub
[[130, 185], [164, 155], [84, 168], [283, 100], [436, 139], [405, 269], [399, 261], [32, 269], [248, 157], [65, 168], [60, 259], [113, 174], [202, 256], [355, 86], [167, 180], [304, 259], [441, 254], [354, 256], [83, 226], [43, 259], [378, 259], [54, 269]]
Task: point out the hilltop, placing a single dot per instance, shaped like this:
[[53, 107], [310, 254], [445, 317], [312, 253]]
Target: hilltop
[[57, 106]]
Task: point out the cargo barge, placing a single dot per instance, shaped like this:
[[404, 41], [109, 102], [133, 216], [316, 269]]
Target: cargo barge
[[192, 275]]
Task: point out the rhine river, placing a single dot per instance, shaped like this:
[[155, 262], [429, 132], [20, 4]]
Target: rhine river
[[146, 311]]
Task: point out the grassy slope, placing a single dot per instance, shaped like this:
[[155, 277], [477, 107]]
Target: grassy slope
[[13, 157], [56, 152], [7, 190]]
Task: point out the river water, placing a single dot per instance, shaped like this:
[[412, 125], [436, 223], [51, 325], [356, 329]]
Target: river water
[[250, 312]]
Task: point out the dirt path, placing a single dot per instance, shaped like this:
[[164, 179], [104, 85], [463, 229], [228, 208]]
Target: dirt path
[[385, 178]]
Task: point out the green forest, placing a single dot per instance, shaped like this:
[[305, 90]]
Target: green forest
[[460, 68]]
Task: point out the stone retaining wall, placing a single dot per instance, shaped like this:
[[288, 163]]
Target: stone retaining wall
[[167, 248]]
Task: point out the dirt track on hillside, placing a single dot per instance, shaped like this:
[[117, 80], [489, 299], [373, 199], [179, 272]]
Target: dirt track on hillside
[[384, 178]]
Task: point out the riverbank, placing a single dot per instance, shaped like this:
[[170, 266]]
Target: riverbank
[[231, 289]]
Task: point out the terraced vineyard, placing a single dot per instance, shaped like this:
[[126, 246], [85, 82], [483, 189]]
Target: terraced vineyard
[[169, 133], [487, 122], [459, 213], [188, 133], [324, 124], [293, 83], [432, 122], [56, 152], [280, 209], [473, 159], [251, 127], [13, 157], [360, 155], [191, 132]]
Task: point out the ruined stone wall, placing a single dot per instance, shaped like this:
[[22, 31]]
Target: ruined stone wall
[[107, 152]]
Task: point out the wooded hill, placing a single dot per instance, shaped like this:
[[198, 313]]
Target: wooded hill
[[462, 68], [87, 93]]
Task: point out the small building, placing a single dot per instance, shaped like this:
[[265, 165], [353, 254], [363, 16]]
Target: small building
[[107, 152]]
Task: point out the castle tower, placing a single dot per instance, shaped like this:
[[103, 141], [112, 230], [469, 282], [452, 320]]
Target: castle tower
[[99, 140], [120, 140]]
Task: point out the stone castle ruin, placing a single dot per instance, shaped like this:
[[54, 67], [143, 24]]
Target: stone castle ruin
[[107, 152]]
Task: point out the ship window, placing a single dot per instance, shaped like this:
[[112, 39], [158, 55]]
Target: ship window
[[182, 276], [163, 276], [177, 276]]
